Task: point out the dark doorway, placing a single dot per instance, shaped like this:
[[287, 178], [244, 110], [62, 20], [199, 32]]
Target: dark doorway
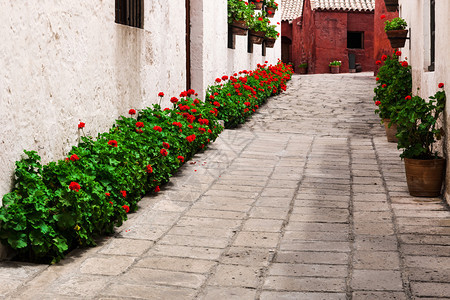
[[286, 49]]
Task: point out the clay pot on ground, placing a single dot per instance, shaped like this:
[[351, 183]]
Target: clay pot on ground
[[390, 131], [424, 177], [334, 69]]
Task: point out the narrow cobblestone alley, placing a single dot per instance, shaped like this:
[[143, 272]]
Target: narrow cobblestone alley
[[306, 201]]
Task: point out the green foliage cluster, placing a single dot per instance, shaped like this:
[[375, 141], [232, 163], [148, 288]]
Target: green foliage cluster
[[56, 207], [417, 126], [303, 65], [243, 93], [240, 10], [335, 63], [271, 3], [394, 83], [395, 24], [68, 203]]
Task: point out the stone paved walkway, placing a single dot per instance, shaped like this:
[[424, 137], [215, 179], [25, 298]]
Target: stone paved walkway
[[306, 201]]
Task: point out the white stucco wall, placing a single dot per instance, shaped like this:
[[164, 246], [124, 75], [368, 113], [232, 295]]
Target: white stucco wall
[[65, 61], [416, 13], [211, 56]]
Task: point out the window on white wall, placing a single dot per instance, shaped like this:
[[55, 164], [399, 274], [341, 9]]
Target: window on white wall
[[130, 12], [432, 34]]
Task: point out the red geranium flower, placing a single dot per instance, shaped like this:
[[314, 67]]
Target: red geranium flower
[[163, 152], [378, 62], [408, 97], [74, 157], [382, 17], [124, 193], [161, 94], [191, 138], [139, 124], [132, 112], [157, 189], [157, 128], [107, 194], [81, 125], [166, 145], [384, 85], [383, 57], [216, 104], [112, 143], [139, 130], [404, 64], [149, 169], [440, 85], [174, 99], [377, 79], [218, 80], [398, 53], [224, 77], [126, 208], [74, 186], [377, 103], [181, 158], [211, 97]]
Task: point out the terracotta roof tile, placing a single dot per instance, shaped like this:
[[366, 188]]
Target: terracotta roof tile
[[291, 9], [361, 5]]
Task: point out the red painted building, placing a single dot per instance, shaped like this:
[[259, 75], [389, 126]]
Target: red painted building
[[381, 42], [320, 31]]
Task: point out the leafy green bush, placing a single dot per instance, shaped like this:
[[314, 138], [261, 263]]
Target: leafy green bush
[[240, 10], [243, 93], [394, 83], [417, 128], [395, 24], [66, 204]]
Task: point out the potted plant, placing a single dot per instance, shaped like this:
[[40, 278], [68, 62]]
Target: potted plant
[[302, 68], [394, 84], [258, 27], [271, 8], [239, 14], [396, 32], [391, 5], [334, 66], [418, 129], [257, 4], [271, 36]]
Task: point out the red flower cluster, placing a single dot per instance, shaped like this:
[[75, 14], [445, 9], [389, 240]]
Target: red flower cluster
[[383, 57], [149, 169], [404, 64], [408, 97], [166, 145], [378, 62], [177, 124], [74, 186], [440, 85], [161, 94], [174, 99], [218, 80], [203, 121], [216, 104], [74, 157], [157, 128], [191, 138], [163, 152], [123, 193], [180, 158], [382, 17], [107, 194], [132, 112], [398, 53], [126, 208], [383, 85], [157, 189], [139, 124], [112, 143], [377, 103], [81, 125], [202, 130]]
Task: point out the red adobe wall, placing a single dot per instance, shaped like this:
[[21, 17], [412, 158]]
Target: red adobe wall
[[381, 43], [363, 21]]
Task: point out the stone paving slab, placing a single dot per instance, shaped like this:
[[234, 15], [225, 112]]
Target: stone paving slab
[[306, 201]]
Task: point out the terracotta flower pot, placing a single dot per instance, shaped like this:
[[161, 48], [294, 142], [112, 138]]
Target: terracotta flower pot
[[397, 38], [258, 5], [424, 177], [302, 70], [270, 12], [391, 5], [238, 27], [334, 69], [270, 42], [256, 37], [390, 131]]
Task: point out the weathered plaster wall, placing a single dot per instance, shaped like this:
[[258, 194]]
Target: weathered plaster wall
[[66, 61], [416, 13], [381, 42], [360, 21]]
